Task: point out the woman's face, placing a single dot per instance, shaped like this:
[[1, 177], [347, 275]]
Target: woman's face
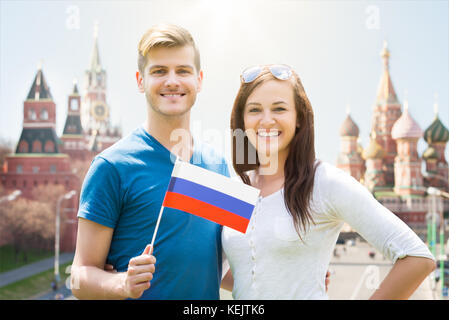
[[270, 117]]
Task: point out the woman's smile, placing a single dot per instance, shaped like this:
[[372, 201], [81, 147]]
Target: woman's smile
[[268, 133]]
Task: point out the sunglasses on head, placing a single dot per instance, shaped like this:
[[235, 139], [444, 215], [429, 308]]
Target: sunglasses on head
[[279, 71]]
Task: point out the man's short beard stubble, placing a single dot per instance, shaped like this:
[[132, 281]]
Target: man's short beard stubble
[[156, 109]]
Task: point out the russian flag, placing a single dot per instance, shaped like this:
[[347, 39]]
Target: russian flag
[[211, 196]]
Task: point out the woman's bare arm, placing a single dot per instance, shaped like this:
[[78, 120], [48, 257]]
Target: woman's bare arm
[[404, 278], [228, 281]]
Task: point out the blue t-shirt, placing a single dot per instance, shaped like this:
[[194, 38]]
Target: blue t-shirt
[[124, 189]]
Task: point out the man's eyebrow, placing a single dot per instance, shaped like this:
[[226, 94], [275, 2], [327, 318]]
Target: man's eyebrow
[[157, 66], [185, 66]]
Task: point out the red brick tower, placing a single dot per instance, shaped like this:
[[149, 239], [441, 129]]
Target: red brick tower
[[386, 111], [38, 159], [74, 142], [95, 111]]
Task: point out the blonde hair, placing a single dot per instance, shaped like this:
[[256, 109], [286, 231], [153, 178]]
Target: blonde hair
[[165, 36]]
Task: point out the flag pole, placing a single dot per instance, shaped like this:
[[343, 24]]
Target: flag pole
[[157, 227], [159, 217], [160, 212]]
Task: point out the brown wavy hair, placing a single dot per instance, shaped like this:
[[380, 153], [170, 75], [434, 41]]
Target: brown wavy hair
[[300, 165]]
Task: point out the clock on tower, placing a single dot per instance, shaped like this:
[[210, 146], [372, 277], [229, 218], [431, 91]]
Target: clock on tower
[[100, 111]]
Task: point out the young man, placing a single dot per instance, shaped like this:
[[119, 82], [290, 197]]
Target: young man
[[123, 191]]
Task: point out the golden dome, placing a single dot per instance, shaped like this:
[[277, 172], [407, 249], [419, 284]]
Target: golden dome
[[373, 150]]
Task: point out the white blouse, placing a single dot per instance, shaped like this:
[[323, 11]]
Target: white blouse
[[271, 262]]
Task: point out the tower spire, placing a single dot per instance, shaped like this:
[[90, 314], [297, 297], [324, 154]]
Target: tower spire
[[348, 109], [95, 64], [75, 86], [385, 54], [39, 89], [435, 105], [405, 100], [386, 92], [96, 29]]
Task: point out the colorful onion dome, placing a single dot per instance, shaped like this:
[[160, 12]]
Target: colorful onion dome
[[373, 150], [349, 128], [359, 148], [406, 127], [436, 132], [430, 153]]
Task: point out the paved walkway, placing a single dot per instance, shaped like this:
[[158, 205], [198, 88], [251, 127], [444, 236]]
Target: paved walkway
[[354, 275], [32, 269]]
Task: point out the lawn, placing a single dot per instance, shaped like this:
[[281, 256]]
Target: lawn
[[9, 262], [29, 287]]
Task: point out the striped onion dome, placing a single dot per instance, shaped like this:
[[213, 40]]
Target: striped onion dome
[[349, 128], [436, 132], [430, 153], [406, 127], [373, 150]]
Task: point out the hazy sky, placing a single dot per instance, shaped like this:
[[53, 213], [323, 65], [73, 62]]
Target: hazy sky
[[333, 45]]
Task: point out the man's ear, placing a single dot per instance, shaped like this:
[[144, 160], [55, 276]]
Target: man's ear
[[139, 79], [200, 80]]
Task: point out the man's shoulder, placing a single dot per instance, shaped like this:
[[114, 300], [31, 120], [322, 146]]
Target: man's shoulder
[[123, 149]]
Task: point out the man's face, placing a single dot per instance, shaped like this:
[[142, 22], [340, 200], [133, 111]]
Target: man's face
[[170, 80]]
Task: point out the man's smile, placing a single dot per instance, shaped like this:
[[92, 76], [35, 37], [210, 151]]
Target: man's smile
[[173, 95]]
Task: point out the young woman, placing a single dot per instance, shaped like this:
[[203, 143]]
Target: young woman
[[303, 204]]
